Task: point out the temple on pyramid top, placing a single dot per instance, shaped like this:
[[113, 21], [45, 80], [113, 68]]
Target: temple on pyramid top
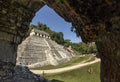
[[39, 33]]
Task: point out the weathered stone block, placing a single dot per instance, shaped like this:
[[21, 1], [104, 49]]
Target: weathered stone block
[[38, 51]]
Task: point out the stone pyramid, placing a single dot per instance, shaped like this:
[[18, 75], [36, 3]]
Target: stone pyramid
[[39, 50]]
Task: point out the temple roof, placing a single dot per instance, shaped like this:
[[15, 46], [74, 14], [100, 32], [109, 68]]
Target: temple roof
[[39, 31]]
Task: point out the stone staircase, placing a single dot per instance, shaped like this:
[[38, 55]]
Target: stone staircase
[[60, 54], [36, 51], [54, 47]]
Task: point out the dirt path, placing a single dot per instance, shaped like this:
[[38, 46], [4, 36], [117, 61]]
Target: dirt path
[[64, 69]]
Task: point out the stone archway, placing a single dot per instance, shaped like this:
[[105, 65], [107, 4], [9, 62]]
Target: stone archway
[[94, 20]]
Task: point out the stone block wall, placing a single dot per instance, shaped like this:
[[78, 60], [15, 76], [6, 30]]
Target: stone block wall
[[36, 51]]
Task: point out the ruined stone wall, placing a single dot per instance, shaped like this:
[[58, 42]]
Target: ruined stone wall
[[15, 18], [91, 18], [39, 50]]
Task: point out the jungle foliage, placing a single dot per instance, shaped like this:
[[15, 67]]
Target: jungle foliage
[[82, 48]]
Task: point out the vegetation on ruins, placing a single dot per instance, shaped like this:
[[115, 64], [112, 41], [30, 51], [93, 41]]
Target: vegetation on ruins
[[56, 36], [94, 20], [82, 48]]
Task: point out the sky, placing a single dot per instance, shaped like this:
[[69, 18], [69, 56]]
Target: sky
[[56, 23]]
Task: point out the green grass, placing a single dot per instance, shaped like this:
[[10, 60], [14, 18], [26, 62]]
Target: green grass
[[73, 61], [92, 58], [78, 75]]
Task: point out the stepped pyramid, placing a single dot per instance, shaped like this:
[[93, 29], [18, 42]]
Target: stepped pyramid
[[39, 50]]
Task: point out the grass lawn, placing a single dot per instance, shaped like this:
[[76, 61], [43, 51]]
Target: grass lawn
[[78, 75], [73, 61]]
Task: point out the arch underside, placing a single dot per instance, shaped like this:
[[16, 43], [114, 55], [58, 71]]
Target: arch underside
[[94, 20], [87, 23]]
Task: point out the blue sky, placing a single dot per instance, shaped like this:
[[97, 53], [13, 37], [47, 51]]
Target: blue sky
[[49, 17]]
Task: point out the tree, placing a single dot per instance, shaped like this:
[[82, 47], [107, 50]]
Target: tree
[[61, 38], [99, 21], [67, 43], [56, 36], [84, 48]]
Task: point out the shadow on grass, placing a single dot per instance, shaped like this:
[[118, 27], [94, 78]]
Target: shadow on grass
[[54, 80]]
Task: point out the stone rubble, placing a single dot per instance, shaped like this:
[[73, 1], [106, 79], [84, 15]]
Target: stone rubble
[[23, 74]]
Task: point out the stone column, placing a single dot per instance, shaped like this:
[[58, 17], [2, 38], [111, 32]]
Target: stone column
[[32, 33], [15, 17], [8, 50], [43, 36], [9, 39], [49, 37], [46, 36], [40, 35], [37, 34]]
